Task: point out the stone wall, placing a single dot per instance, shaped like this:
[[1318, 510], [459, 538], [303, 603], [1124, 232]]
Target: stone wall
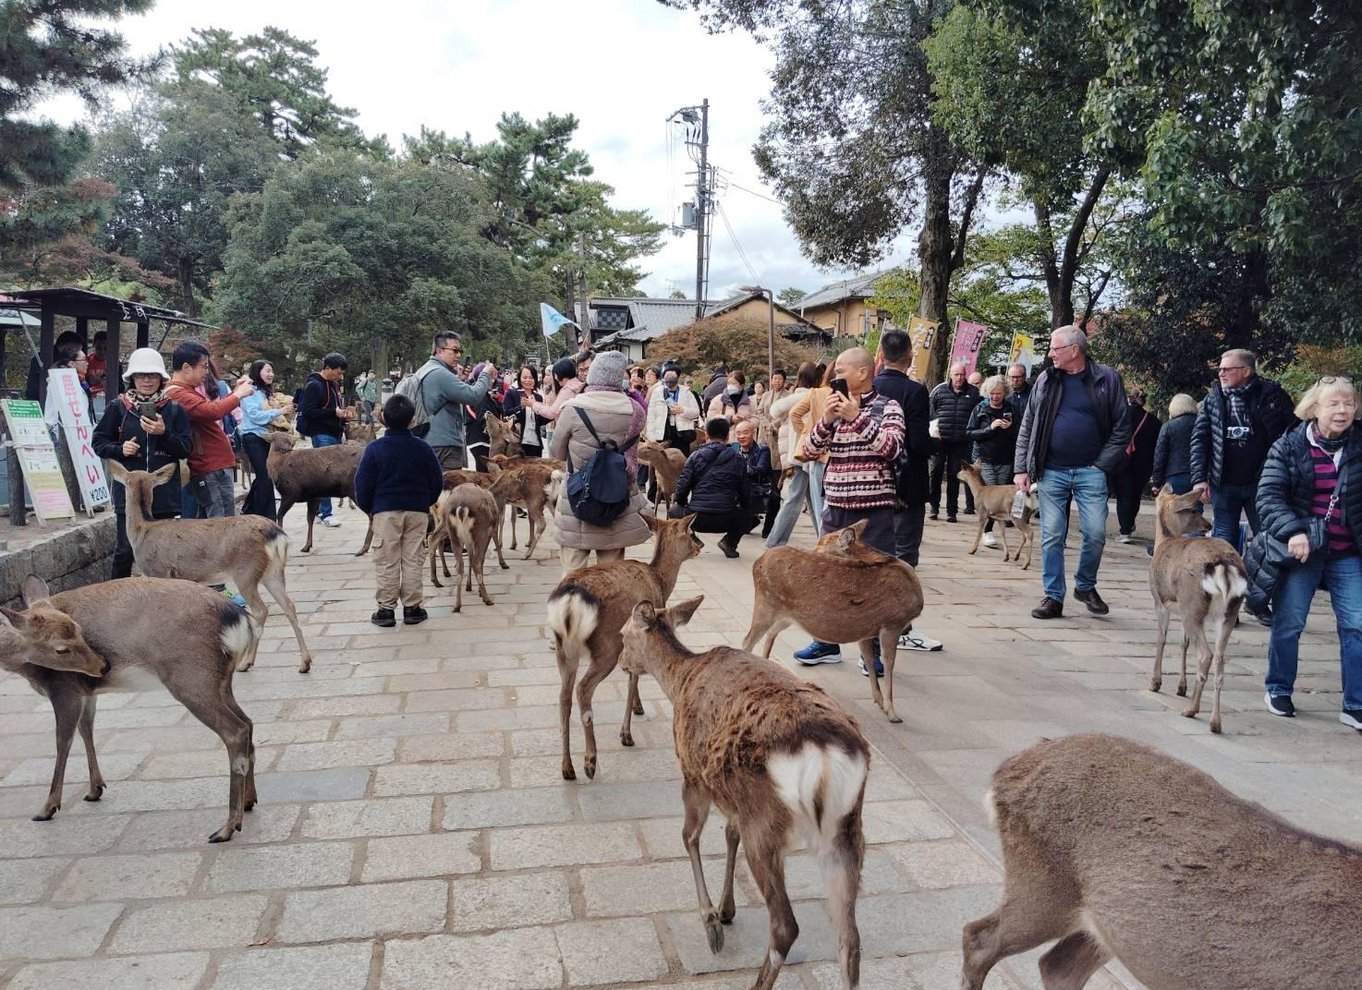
[[67, 558]]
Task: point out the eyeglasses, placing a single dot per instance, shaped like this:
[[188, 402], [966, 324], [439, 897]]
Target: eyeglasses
[[1232, 367], [456, 350], [1335, 380]]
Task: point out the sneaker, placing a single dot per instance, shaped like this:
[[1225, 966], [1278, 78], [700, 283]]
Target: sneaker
[[916, 641], [414, 615], [1351, 717], [1280, 704], [951, 519], [879, 668], [730, 552], [1048, 609], [383, 617], [990, 541], [935, 514], [331, 521], [1093, 600], [1125, 538], [819, 652]]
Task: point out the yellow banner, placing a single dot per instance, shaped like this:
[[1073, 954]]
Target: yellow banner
[[1023, 351], [923, 333]]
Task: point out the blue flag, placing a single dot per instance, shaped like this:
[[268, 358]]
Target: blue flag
[[553, 320]]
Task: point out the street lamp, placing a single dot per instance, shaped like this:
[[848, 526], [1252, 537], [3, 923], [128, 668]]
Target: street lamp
[[770, 329]]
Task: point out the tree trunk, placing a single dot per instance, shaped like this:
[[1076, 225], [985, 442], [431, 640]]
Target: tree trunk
[[936, 248], [1062, 301], [184, 275]]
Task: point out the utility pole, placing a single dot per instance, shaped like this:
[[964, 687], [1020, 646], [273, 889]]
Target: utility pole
[[702, 200]]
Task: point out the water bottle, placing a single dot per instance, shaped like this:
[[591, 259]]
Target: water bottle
[[1018, 504]]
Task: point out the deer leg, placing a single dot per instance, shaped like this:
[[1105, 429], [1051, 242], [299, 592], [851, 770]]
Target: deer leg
[[567, 673], [536, 532], [1028, 538], [1222, 643], [274, 581], [1182, 678], [979, 531], [889, 644], [636, 702], [436, 541], [458, 581], [1001, 527], [697, 802], [1161, 612], [496, 535], [630, 700], [66, 706], [767, 863], [311, 518], [512, 508], [1196, 632], [727, 906], [231, 703], [481, 564], [868, 658], [87, 738], [368, 539], [586, 690], [215, 708], [1071, 961], [259, 612]]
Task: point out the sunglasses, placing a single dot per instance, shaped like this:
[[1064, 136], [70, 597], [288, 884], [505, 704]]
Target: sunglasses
[[1335, 380]]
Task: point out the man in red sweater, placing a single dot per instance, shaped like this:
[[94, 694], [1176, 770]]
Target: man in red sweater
[[211, 458]]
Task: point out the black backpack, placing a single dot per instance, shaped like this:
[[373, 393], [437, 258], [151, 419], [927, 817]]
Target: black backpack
[[598, 493]]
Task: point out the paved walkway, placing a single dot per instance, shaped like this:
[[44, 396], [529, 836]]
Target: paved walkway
[[414, 831]]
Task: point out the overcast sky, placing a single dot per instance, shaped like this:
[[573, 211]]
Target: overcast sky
[[622, 66]]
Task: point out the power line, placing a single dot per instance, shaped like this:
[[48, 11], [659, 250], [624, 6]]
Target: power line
[[738, 247], [751, 192]]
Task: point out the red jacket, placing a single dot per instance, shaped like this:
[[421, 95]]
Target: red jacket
[[211, 451]]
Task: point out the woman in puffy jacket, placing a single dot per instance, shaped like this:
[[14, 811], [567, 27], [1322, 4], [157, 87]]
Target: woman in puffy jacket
[[1173, 451], [1314, 472], [992, 429]]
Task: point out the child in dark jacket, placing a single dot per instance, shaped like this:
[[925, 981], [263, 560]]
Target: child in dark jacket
[[397, 482]]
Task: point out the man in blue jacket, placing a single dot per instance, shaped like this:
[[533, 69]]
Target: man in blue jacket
[[713, 485]]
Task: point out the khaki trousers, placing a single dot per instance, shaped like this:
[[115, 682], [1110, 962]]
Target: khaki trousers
[[399, 557], [573, 558]]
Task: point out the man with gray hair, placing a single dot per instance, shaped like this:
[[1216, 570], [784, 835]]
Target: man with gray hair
[[1238, 422], [1021, 388], [951, 403], [1074, 433]]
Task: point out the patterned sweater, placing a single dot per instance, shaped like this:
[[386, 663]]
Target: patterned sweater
[[860, 454]]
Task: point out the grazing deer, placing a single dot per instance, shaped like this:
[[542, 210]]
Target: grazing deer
[[587, 611], [666, 464], [247, 550], [531, 484], [357, 432], [503, 436], [1119, 851], [842, 591], [1206, 580], [187, 636], [312, 474], [781, 760], [995, 502], [467, 516]]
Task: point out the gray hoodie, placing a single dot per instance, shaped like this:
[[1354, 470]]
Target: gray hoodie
[[445, 395]]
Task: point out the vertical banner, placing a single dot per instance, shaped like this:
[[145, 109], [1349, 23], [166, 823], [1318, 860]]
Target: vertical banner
[[1023, 351], [923, 334], [73, 411], [37, 459], [969, 337]]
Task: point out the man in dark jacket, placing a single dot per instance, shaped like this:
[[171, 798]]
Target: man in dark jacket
[[951, 404], [1073, 434], [321, 415], [1238, 423], [713, 484], [1021, 388]]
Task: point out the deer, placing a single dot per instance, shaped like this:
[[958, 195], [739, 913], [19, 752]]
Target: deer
[[187, 636], [249, 551], [1205, 579], [312, 474], [357, 432], [666, 464], [503, 435], [842, 591], [467, 515], [779, 757], [532, 484], [995, 502], [1102, 854], [453, 479], [588, 609]]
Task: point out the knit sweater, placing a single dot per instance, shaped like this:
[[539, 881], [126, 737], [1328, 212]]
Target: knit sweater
[[861, 454]]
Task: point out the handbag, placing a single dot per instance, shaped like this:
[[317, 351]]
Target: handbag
[[1130, 447], [1275, 552], [1317, 530]]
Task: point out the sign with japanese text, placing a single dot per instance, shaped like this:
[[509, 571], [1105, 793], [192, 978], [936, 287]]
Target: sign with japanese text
[[37, 460], [65, 394], [969, 337], [923, 333]]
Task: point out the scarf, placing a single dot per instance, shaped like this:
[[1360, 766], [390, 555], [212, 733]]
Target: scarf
[[1330, 447], [132, 397], [1240, 423]]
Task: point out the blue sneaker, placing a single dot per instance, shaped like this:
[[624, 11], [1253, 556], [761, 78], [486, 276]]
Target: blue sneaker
[[818, 652], [879, 664]]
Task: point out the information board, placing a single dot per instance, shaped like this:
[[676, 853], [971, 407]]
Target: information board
[[37, 459]]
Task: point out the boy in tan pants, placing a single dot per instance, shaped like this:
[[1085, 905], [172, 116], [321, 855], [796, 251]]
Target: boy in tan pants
[[397, 482]]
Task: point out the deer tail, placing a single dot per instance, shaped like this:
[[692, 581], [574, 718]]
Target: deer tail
[[573, 615]]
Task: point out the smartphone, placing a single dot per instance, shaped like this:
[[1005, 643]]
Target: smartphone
[[147, 410], [840, 385]]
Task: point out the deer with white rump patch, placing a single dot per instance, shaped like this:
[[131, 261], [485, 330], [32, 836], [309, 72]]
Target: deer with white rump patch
[[587, 611], [467, 516], [1205, 579], [186, 636], [779, 758], [995, 502], [249, 551], [1119, 851], [842, 591]]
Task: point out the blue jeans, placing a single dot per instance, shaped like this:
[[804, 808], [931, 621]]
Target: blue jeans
[[1291, 606], [1181, 483], [325, 440], [816, 470], [1227, 502], [1058, 488], [798, 491]]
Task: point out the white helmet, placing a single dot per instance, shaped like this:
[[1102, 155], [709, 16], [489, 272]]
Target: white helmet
[[145, 361]]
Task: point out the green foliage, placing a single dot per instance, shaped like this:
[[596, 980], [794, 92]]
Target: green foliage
[[790, 297], [738, 342], [1311, 363]]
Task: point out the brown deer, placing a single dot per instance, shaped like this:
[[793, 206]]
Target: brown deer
[[532, 484], [187, 636], [249, 551], [488, 482], [1205, 579], [587, 611], [779, 758], [842, 591], [467, 516], [503, 435], [1119, 851], [666, 464], [312, 474], [995, 502]]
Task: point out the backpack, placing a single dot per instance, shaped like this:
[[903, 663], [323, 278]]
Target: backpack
[[410, 389], [598, 493]]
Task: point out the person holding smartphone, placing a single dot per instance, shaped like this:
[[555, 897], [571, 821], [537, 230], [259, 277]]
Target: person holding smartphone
[[144, 430], [993, 428]]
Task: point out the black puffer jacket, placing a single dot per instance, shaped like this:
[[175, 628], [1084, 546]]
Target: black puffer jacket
[[1108, 395], [1270, 409], [1173, 452], [714, 479], [994, 446], [120, 423], [953, 410]]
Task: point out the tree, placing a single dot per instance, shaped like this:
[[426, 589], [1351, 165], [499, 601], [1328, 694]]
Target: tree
[[790, 297], [737, 342]]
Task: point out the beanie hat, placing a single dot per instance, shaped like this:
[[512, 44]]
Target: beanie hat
[[608, 370], [145, 361]]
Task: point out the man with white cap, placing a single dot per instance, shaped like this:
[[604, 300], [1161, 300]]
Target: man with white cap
[[143, 430]]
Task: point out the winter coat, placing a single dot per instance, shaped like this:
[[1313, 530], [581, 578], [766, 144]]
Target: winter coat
[[688, 414], [1108, 395], [549, 410], [953, 409], [714, 479], [722, 406], [444, 394], [397, 473], [616, 417], [807, 410], [1270, 409], [914, 484], [994, 446], [317, 406], [1173, 451], [758, 460], [1144, 437], [120, 423], [779, 411]]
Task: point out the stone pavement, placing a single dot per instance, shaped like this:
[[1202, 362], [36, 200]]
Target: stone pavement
[[413, 830]]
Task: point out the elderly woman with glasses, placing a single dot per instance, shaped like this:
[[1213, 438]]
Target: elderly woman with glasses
[[1310, 499]]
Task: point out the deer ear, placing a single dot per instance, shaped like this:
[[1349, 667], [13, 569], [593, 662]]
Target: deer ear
[[653, 522], [681, 612], [645, 615], [1167, 489], [34, 590], [858, 527], [117, 472], [162, 475]]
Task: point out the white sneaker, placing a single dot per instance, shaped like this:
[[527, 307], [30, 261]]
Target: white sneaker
[[331, 521], [1125, 538], [990, 540], [916, 641]]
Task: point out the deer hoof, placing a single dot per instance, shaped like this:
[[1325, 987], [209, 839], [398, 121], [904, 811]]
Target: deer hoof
[[714, 933], [638, 709], [569, 773], [487, 601], [220, 837], [305, 667], [1215, 726], [95, 793], [895, 718], [1182, 690], [46, 814], [626, 738], [1190, 712], [589, 766]]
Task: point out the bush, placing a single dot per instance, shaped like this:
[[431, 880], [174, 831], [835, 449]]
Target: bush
[[740, 344]]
